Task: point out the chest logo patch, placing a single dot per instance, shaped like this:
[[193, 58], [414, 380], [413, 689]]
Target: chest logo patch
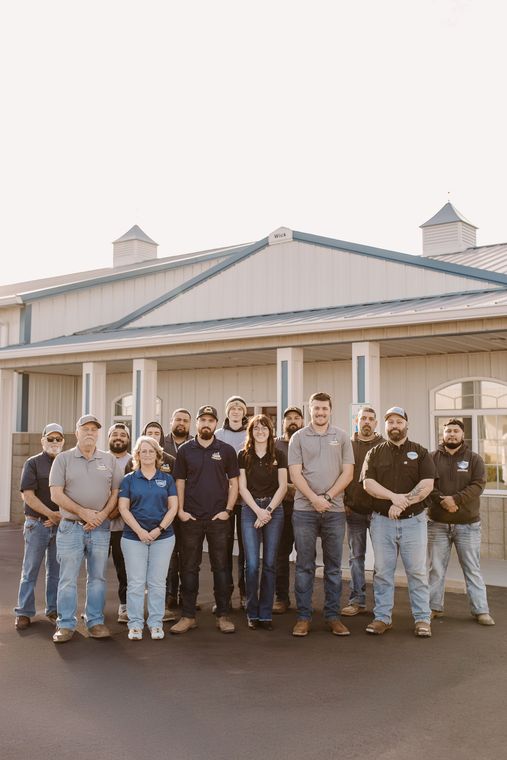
[[412, 455], [101, 467], [334, 443], [463, 465], [216, 456], [160, 483]]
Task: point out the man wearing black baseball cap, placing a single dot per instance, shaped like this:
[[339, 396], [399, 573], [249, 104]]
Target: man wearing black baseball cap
[[399, 475], [206, 473]]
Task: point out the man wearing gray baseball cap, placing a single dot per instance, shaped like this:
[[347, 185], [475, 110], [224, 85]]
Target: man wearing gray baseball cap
[[84, 482]]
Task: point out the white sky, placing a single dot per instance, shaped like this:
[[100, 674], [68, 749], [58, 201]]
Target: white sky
[[213, 123]]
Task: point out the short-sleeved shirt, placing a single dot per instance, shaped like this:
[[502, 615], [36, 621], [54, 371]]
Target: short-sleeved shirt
[[206, 472], [322, 457], [399, 469], [261, 479], [148, 500], [88, 482], [35, 477]]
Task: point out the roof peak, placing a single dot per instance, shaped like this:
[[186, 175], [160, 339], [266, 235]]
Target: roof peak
[[135, 233], [447, 214]]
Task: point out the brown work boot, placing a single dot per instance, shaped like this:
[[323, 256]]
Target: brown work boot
[[99, 631], [225, 625], [485, 619], [280, 607], [302, 628], [183, 625], [169, 614], [22, 622], [53, 615], [337, 627], [62, 635], [378, 627], [353, 609], [437, 614]]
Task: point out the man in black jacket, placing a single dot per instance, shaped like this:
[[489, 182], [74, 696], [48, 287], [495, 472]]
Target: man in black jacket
[[455, 519], [358, 506]]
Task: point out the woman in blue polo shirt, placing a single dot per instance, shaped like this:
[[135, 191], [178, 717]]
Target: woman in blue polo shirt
[[148, 504], [262, 485]]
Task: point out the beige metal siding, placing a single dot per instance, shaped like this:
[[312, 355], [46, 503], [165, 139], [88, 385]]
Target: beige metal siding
[[9, 325], [53, 398], [80, 309], [296, 276]]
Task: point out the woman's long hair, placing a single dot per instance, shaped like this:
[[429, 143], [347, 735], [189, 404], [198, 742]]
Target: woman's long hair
[[250, 441]]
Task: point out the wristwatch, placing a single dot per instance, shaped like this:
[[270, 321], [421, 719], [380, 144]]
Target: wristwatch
[[229, 511], [328, 498], [161, 528], [269, 509]]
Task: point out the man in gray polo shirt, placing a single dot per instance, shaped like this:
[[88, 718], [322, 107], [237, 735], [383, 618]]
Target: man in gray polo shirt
[[84, 482], [321, 464]]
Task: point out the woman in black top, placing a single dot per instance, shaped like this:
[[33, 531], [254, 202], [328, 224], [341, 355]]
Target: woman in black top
[[262, 485]]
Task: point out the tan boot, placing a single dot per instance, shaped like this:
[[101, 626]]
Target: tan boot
[[99, 631], [302, 628], [337, 627], [62, 635], [280, 607], [225, 625], [183, 625]]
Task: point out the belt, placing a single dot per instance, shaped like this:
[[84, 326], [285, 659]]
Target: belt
[[69, 519], [37, 517]]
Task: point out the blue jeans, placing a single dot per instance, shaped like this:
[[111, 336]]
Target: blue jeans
[[357, 531], [409, 539], [73, 544], [330, 526], [39, 542], [467, 540], [147, 566], [259, 601]]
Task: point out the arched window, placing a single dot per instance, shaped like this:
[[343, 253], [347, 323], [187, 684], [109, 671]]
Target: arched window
[[482, 406], [123, 409]]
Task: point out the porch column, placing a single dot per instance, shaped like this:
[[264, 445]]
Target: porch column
[[366, 390], [289, 380], [144, 393], [8, 414], [94, 396]]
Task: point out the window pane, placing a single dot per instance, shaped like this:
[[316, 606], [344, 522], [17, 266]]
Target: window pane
[[123, 406], [492, 395], [492, 432], [449, 398]]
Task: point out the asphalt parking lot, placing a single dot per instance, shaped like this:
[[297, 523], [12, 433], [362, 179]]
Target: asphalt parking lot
[[253, 694]]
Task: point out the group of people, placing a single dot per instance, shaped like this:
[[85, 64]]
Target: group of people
[[154, 508]]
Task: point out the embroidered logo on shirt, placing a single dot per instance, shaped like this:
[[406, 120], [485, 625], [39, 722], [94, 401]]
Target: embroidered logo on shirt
[[412, 454], [216, 455], [160, 483], [463, 466], [334, 443], [165, 468], [101, 467]]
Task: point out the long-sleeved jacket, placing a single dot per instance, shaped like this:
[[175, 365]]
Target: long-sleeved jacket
[[463, 476]]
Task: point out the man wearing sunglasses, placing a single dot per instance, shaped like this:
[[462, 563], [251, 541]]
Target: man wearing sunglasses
[[41, 523]]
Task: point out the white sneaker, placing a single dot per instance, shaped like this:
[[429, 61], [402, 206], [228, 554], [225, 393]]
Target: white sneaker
[[122, 614], [157, 633], [135, 634]]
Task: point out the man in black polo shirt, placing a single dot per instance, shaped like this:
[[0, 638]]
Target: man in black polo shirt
[[399, 475], [41, 523], [206, 473]]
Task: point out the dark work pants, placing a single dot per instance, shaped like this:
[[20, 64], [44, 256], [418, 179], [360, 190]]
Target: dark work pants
[[173, 586], [285, 548], [192, 535], [119, 565], [235, 527]]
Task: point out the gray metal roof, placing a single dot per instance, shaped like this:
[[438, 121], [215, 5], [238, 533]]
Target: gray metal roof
[[491, 257], [135, 233], [446, 215], [381, 311]]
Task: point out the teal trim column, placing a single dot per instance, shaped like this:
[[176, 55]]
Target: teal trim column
[[144, 392], [93, 397], [289, 380]]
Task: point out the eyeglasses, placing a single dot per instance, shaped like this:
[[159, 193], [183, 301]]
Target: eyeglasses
[[54, 440]]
